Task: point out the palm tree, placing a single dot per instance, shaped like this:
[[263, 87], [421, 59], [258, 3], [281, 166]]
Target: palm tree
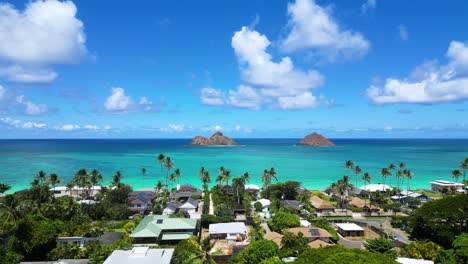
[[409, 175], [204, 175], [159, 186], [168, 164], [81, 179], [143, 173], [39, 180], [203, 255], [349, 164], [10, 212], [267, 176], [367, 178], [4, 187], [357, 170], [464, 167], [238, 183], [456, 174], [385, 172], [70, 186], [178, 174], [224, 175], [391, 167], [172, 178], [95, 179], [161, 158], [342, 187], [116, 180], [246, 177], [400, 176], [54, 180]]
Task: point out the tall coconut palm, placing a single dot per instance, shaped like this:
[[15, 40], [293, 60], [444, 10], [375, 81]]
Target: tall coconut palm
[[205, 178], [70, 187], [267, 177], [400, 176], [54, 180], [116, 180], [178, 174], [238, 184], [385, 173], [39, 180], [349, 164], [81, 179], [159, 186], [10, 212], [357, 171], [161, 158], [367, 178], [246, 177], [456, 174], [172, 179], [464, 167], [391, 168], [143, 173], [409, 175], [168, 164], [95, 179]]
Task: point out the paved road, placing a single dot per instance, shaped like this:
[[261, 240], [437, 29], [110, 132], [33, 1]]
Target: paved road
[[266, 227], [385, 225]]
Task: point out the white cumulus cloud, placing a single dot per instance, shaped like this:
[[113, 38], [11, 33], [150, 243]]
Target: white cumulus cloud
[[313, 27], [45, 33], [211, 96], [429, 82], [300, 101], [245, 97], [30, 108], [368, 5], [119, 102]]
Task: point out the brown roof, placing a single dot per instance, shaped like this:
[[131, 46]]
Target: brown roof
[[319, 203], [357, 202], [318, 244], [306, 231], [275, 237]]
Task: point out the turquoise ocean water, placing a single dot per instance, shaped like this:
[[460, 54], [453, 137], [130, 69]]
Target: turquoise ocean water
[[316, 168]]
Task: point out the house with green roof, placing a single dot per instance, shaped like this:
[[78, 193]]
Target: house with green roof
[[161, 229]]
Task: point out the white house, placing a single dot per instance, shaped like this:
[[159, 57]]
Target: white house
[[439, 185], [141, 255], [265, 204], [235, 231], [75, 192], [413, 261], [374, 187]]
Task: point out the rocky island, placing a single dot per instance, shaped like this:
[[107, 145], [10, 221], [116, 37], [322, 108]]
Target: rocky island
[[315, 140], [217, 139]]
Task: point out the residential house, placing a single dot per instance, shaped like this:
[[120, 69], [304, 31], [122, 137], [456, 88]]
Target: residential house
[[360, 203], [160, 229], [141, 255], [275, 237], [440, 185], [190, 206], [319, 243], [375, 187], [350, 230], [141, 201], [405, 196], [107, 238], [312, 233], [228, 190], [293, 204], [265, 204], [234, 231], [184, 192], [321, 206], [75, 192]]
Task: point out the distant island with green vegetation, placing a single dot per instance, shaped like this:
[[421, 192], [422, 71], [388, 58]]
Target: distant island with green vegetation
[[229, 220]]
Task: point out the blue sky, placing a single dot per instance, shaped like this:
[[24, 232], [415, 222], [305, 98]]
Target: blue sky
[[172, 69]]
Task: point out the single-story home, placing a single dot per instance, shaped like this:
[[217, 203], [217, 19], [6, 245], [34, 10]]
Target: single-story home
[[183, 192], [404, 196], [235, 231], [319, 243], [440, 185], [265, 204], [141, 255], [321, 206], [360, 203], [76, 192], [160, 229], [190, 206], [141, 201], [275, 237], [312, 233], [350, 230]]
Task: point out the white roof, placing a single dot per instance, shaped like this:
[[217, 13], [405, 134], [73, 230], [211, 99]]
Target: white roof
[[350, 227], [413, 261], [375, 187], [86, 202], [252, 187], [305, 223], [76, 188], [141, 255], [228, 228], [264, 202], [446, 183]]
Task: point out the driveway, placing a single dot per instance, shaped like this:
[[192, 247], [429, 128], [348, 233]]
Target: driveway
[[387, 228]]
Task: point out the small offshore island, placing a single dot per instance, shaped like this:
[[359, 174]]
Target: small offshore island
[[315, 140], [217, 139]]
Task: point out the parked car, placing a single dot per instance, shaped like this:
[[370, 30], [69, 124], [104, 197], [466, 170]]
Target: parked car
[[394, 237]]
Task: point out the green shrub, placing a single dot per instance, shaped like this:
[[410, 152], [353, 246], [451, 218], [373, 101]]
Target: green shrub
[[258, 206]]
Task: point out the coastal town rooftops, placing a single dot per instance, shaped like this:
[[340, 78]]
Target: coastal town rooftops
[[349, 227], [75, 188], [319, 203], [275, 237], [141, 255], [189, 204], [264, 202], [228, 228], [292, 204], [375, 187], [310, 232], [447, 183], [153, 225]]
